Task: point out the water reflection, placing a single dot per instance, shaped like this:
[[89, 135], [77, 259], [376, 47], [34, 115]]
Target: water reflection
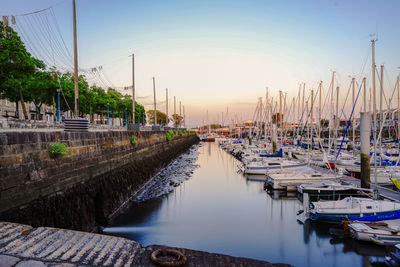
[[220, 210]]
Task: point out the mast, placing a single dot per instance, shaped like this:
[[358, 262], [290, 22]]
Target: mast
[[353, 81], [286, 114], [365, 93], [374, 111], [266, 115], [319, 109], [184, 116], [133, 88], [398, 106], [155, 105], [304, 92], [280, 114], [308, 127], [298, 112], [312, 113], [166, 105], [381, 112], [380, 102], [331, 112], [76, 111], [337, 121]]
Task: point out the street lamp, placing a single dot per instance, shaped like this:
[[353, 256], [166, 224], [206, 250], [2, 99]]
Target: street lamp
[[58, 106], [108, 113]]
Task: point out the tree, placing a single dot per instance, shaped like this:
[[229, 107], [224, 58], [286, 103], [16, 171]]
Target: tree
[[16, 67], [161, 117], [177, 119], [41, 88]]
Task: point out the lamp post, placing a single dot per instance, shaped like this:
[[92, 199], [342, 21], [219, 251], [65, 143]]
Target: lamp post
[[126, 118], [108, 113], [58, 105]]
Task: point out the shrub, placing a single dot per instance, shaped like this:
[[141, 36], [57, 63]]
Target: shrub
[[169, 135], [58, 150], [180, 133], [133, 140]]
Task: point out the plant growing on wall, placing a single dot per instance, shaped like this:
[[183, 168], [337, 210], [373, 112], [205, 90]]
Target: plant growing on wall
[[58, 150], [133, 140], [169, 135]]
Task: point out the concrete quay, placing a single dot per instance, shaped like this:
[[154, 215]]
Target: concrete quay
[[22, 245]]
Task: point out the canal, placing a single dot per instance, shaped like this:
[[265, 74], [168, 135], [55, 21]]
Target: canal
[[220, 210]]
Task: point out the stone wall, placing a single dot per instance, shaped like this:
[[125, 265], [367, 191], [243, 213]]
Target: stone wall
[[82, 190]]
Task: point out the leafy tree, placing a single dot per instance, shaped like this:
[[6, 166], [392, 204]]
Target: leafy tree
[[177, 119], [41, 88], [16, 67], [161, 117]]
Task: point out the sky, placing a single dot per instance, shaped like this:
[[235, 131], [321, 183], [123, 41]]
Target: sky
[[219, 54]]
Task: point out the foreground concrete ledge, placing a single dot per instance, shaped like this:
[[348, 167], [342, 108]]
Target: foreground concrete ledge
[[23, 245]]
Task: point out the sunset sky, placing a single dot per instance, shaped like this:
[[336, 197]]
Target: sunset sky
[[214, 54]]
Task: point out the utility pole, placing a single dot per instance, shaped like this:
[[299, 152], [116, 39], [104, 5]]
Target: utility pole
[[155, 105], [75, 63], [133, 89]]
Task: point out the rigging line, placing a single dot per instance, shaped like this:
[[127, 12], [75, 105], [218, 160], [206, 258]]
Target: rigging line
[[344, 103], [43, 32], [364, 64], [45, 21], [34, 34], [101, 79], [37, 11], [59, 32], [383, 91], [102, 72], [30, 49], [349, 122], [25, 39]]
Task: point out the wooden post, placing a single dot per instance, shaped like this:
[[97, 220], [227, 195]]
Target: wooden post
[[365, 133]]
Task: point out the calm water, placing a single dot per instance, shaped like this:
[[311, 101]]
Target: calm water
[[220, 210]]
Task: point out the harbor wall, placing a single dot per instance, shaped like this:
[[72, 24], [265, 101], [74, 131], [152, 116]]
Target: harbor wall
[[82, 190]]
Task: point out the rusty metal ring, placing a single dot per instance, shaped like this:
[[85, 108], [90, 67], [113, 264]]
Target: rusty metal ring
[[180, 258]]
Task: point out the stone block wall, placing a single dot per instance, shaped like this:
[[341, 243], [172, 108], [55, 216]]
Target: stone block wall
[[81, 190]]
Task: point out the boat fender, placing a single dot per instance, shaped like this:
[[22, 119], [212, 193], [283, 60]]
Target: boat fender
[[179, 258]]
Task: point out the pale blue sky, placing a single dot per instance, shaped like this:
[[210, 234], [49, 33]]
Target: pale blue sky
[[214, 53]]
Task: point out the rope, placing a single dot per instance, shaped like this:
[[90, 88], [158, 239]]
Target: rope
[[348, 123]]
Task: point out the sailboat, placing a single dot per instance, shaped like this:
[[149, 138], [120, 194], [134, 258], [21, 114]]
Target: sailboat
[[337, 211]]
